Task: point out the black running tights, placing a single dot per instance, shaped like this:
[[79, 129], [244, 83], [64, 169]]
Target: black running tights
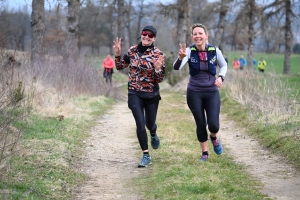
[[144, 112], [201, 103]]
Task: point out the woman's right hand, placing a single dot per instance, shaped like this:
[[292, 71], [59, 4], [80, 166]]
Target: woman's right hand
[[182, 51], [117, 47]]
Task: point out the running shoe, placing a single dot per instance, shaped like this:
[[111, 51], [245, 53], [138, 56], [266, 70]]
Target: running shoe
[[145, 161], [217, 146], [204, 158], [155, 141]]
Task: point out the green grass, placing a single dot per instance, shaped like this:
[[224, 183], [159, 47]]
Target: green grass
[[282, 136], [177, 172], [275, 62], [44, 166]]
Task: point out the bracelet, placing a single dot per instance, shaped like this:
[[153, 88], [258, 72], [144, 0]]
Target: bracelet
[[157, 71], [117, 56]]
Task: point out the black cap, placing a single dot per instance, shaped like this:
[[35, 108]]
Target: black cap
[[150, 28]]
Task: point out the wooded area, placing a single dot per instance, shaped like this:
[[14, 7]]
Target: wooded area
[[73, 27]]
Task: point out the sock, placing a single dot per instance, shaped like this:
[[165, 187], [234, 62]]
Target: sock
[[213, 138], [152, 134], [205, 153], [146, 153]]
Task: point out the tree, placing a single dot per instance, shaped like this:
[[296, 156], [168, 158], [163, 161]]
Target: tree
[[251, 9], [71, 46], [288, 37], [284, 9], [182, 21], [224, 7], [121, 21], [128, 12], [38, 30], [141, 15]]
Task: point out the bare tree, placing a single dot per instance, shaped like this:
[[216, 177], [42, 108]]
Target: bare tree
[[128, 13], [283, 7], [38, 30], [182, 19], [224, 7], [121, 21], [288, 36], [141, 15], [251, 9], [71, 46]]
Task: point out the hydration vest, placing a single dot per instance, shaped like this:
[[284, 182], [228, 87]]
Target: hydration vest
[[194, 60]]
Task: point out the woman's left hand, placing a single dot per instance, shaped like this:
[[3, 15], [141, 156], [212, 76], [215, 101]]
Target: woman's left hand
[[158, 63], [219, 82]]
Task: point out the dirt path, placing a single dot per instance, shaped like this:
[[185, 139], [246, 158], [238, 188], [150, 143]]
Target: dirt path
[[111, 160], [280, 180]]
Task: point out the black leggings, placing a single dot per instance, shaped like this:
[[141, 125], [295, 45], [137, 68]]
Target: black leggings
[[144, 112], [208, 102]]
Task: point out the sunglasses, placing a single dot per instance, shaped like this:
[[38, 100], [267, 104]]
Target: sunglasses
[[150, 35]]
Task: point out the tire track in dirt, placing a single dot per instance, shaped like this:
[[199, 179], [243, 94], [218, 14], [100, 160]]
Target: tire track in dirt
[[111, 158], [280, 180]]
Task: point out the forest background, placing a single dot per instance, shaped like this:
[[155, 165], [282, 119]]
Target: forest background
[[52, 55]]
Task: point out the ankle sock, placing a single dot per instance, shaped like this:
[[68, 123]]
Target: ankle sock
[[205, 153], [213, 138], [152, 134]]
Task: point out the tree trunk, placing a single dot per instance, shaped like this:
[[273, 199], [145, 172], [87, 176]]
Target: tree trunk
[[71, 46], [128, 22], [251, 34], [221, 24], [140, 17], [188, 23], [38, 30], [288, 37], [182, 28], [121, 22]]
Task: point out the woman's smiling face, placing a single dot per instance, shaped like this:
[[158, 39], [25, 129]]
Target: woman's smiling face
[[199, 36], [147, 38]]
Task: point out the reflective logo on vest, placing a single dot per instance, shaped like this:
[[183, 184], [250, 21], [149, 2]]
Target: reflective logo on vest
[[213, 60], [193, 60]]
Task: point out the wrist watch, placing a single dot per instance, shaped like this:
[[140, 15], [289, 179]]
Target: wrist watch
[[222, 77]]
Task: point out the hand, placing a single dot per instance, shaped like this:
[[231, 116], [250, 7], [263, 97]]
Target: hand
[[158, 63], [182, 51], [117, 47], [219, 82]]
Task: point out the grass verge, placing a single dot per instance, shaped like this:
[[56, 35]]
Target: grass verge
[[282, 137], [44, 167]]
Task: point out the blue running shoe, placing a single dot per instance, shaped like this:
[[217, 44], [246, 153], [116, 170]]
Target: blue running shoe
[[217, 146], [145, 161], [204, 158], [155, 141]]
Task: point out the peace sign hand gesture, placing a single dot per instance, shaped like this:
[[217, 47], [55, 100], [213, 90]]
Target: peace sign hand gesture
[[117, 47], [158, 63], [182, 51]]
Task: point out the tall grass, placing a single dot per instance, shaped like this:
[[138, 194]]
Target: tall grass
[[44, 143], [268, 106]]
